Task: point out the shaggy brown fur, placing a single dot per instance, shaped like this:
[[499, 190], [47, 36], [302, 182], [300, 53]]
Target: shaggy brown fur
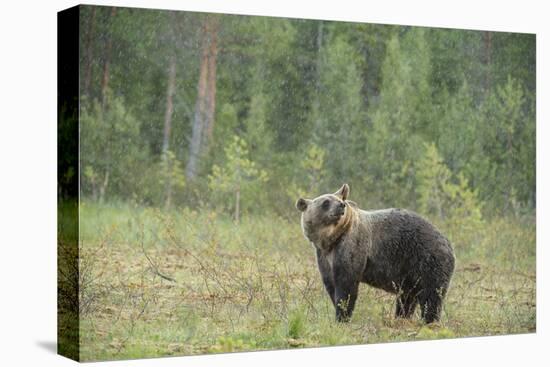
[[392, 249]]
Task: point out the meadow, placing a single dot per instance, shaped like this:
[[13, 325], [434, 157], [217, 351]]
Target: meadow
[[181, 282]]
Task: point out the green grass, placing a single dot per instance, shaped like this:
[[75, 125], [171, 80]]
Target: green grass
[[255, 286]]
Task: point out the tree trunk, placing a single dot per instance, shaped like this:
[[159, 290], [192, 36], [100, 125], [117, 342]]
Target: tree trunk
[[237, 205], [104, 86], [107, 60], [168, 127], [203, 120], [169, 104], [316, 98], [211, 83], [198, 119], [89, 53], [103, 187], [95, 195], [168, 194]]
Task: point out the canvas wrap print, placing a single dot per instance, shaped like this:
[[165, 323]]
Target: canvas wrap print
[[234, 183]]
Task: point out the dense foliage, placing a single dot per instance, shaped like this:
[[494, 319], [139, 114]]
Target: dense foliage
[[437, 120]]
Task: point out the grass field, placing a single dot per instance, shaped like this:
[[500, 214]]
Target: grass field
[[255, 286]]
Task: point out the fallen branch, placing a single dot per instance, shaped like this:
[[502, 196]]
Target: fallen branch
[[154, 268]]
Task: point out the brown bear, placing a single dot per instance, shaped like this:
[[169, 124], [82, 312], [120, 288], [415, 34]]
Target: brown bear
[[392, 249]]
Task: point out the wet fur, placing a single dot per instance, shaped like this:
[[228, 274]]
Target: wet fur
[[392, 249]]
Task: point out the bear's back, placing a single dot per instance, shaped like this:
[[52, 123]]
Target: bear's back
[[402, 246]]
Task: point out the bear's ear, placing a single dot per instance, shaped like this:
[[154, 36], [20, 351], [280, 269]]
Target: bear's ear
[[343, 193], [302, 204]]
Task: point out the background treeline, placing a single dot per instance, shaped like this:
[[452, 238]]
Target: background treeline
[[245, 114]]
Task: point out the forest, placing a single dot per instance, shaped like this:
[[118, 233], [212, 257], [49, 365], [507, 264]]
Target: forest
[[188, 109], [199, 131]]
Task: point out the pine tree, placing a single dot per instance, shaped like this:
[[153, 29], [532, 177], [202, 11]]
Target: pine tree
[[237, 174], [447, 197], [433, 178], [458, 131], [311, 174], [110, 148], [399, 121], [509, 144], [338, 118]]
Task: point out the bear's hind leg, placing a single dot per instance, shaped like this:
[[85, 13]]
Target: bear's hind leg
[[430, 305], [405, 305]]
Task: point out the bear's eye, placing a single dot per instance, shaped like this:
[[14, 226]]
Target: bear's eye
[[326, 204]]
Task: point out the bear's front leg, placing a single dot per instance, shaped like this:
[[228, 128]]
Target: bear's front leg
[[326, 275], [345, 295]]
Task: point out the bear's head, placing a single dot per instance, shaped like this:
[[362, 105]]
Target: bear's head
[[326, 216]]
